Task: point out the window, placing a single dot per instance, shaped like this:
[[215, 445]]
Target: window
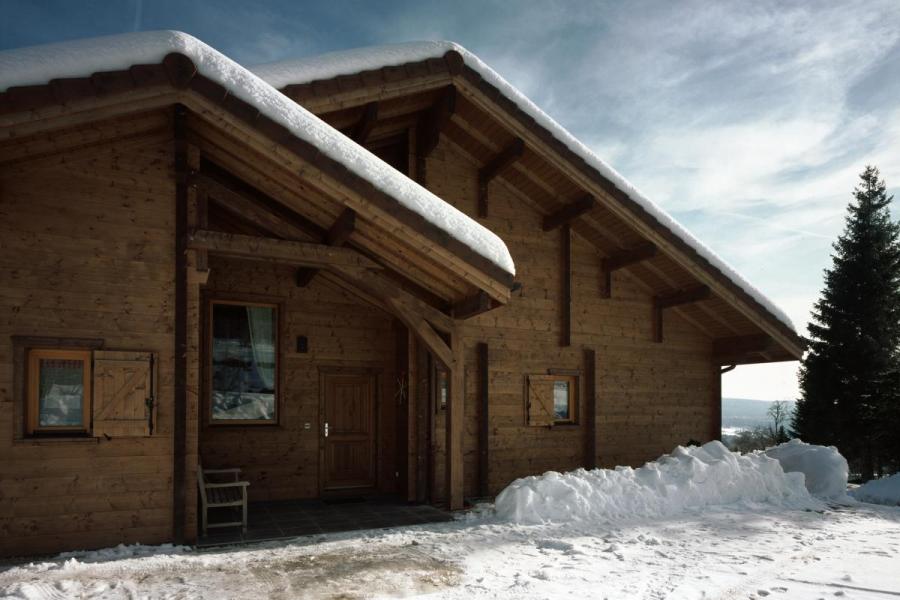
[[59, 391], [563, 400], [244, 363], [552, 400]]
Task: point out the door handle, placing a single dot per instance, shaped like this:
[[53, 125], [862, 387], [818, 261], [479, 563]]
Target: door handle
[[326, 428]]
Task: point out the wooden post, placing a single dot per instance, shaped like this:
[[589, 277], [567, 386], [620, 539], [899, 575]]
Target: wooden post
[[590, 407], [484, 421], [566, 303], [423, 425], [716, 420], [412, 410], [454, 423], [181, 284]]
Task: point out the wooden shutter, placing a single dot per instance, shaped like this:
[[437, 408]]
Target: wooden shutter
[[124, 394], [540, 400]]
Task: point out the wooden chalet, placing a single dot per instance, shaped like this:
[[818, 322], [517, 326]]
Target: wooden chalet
[[187, 275]]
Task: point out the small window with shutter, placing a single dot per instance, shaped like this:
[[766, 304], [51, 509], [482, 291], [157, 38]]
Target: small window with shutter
[[74, 391], [551, 400]]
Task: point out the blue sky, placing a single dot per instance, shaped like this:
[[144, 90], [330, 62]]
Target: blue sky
[[748, 121]]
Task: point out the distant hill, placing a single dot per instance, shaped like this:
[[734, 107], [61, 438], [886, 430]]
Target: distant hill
[[744, 413]]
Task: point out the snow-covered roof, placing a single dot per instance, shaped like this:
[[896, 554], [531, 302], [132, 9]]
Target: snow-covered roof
[[37, 65], [348, 62]]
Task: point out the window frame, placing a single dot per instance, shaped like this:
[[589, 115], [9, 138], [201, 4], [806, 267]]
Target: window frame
[[32, 391], [210, 303], [572, 381]]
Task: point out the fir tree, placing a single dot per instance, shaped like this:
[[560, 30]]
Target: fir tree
[[850, 376]]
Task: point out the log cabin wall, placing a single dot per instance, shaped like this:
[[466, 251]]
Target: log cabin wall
[[282, 461], [649, 396], [88, 252]]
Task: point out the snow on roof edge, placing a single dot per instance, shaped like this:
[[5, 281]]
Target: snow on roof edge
[[37, 65], [347, 62]]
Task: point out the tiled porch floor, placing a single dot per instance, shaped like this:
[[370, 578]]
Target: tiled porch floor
[[291, 518]]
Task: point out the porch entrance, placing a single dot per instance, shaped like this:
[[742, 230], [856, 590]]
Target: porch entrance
[[349, 457]]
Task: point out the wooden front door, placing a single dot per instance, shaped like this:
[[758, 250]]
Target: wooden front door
[[348, 431]]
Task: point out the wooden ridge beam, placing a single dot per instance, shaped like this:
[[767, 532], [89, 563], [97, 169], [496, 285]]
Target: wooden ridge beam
[[283, 251], [337, 236], [504, 159], [473, 305], [568, 213], [671, 300], [622, 259], [359, 133]]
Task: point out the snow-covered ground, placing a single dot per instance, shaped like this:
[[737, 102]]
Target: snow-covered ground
[[697, 523], [843, 552]]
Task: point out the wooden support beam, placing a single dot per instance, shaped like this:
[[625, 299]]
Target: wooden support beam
[[590, 407], [736, 350], [428, 130], [622, 259], [360, 132], [380, 287], [455, 424], [505, 158], [670, 300], [283, 251], [179, 423], [566, 273], [484, 420], [249, 210], [239, 193], [423, 330], [473, 305], [337, 236], [568, 213], [412, 403]]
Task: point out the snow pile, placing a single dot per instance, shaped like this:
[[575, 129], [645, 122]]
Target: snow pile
[[824, 468], [688, 478], [346, 62], [39, 64], [880, 491]]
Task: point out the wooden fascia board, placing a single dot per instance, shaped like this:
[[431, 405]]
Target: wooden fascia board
[[489, 99]]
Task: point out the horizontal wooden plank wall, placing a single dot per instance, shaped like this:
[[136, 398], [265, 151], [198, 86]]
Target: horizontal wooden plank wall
[[282, 462], [86, 250], [650, 396]]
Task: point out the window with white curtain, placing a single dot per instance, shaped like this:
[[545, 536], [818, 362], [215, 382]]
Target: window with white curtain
[[244, 363]]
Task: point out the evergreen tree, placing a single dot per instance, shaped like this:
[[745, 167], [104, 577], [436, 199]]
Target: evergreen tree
[[850, 376]]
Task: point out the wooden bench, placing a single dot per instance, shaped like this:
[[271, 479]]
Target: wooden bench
[[220, 495]]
